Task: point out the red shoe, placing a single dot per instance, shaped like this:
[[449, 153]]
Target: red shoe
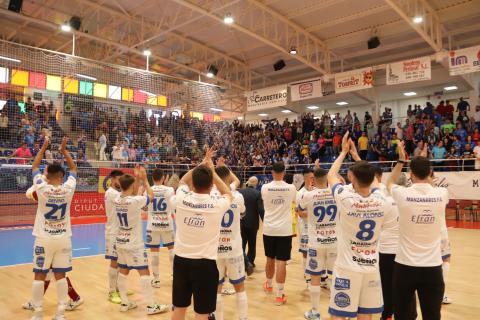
[[281, 300], [267, 288]]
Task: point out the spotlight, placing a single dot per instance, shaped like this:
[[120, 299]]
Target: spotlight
[[66, 27], [147, 52], [228, 19], [417, 19], [212, 71], [293, 51]]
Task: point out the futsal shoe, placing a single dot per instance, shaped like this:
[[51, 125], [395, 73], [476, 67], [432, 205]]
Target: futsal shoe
[[28, 306], [249, 269], [72, 305], [446, 300], [157, 308], [126, 307], [156, 283], [267, 288], [312, 315], [114, 297], [279, 301]]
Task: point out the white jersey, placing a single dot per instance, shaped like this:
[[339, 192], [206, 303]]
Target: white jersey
[[160, 209], [421, 217], [52, 219], [359, 224], [388, 242], [278, 197], [198, 218], [111, 227], [128, 210], [322, 217], [230, 245], [302, 222]]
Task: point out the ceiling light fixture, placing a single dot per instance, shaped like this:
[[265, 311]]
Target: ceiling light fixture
[[147, 52], [342, 103], [263, 114], [86, 77], [417, 19], [409, 94], [293, 51], [450, 88], [216, 109], [212, 71], [66, 27], [312, 107], [286, 111], [228, 19], [10, 59]]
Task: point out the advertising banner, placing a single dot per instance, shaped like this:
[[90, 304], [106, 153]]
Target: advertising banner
[[411, 70], [307, 89], [464, 61], [354, 80], [87, 204], [266, 98]]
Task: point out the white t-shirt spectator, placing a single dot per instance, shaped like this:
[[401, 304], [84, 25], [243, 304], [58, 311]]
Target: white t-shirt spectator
[[421, 210], [278, 197], [198, 219]]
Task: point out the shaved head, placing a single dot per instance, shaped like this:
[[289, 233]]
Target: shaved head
[[252, 181]]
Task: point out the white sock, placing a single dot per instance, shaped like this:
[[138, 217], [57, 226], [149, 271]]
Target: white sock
[[171, 255], [315, 296], [37, 294], [155, 264], [112, 279], [242, 305], [62, 293], [280, 289], [304, 264], [269, 282], [445, 271], [219, 308], [122, 283], [145, 282]]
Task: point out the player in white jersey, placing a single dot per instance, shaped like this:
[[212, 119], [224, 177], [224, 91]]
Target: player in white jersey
[[362, 212], [418, 263], [111, 229], [230, 261], [160, 223], [446, 249], [302, 221], [52, 229], [321, 212], [129, 242], [278, 197]]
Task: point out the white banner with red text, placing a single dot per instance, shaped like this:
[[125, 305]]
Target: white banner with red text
[[266, 98], [464, 61], [307, 89], [354, 80], [411, 70]]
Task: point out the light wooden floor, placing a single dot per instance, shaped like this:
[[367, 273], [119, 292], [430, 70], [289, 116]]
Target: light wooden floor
[[90, 279]]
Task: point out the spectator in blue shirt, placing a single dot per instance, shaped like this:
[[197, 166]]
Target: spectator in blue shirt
[[463, 105], [460, 132]]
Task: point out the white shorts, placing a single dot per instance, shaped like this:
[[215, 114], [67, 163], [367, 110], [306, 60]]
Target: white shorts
[[110, 247], [132, 258], [320, 261], [233, 268], [155, 238], [303, 243], [446, 248], [353, 292], [52, 253]]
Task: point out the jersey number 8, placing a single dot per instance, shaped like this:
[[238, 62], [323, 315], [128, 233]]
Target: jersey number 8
[[366, 230]]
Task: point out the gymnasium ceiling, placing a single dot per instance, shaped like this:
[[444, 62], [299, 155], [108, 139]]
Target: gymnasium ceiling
[[186, 36]]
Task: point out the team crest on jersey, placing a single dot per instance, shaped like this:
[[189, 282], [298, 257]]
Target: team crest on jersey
[[342, 284], [40, 261], [39, 250], [312, 253], [313, 264], [342, 299]]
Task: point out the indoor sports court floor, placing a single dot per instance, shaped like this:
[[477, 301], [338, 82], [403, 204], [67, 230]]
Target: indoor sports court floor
[[90, 268]]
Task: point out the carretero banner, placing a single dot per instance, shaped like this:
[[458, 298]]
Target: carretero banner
[[409, 71], [464, 61], [354, 80], [307, 89], [266, 98]]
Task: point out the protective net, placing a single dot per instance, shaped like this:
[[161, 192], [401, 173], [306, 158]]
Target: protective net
[[113, 115]]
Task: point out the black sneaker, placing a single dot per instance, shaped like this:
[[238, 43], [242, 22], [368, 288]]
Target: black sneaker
[[249, 269], [211, 316]]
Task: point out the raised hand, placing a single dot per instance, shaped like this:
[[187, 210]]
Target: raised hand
[[401, 151], [221, 161], [353, 151], [346, 143], [317, 163], [46, 142], [63, 146], [424, 152]]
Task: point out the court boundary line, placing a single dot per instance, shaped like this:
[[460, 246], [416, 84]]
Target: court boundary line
[[74, 258]]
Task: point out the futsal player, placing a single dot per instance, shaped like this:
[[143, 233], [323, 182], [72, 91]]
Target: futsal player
[[302, 221], [129, 241], [363, 211], [111, 230], [278, 197], [418, 263], [230, 260], [160, 223], [52, 229], [198, 218], [321, 211], [446, 255]]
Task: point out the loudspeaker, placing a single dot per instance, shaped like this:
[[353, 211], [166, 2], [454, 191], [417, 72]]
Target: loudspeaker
[[279, 65], [75, 22], [373, 42], [15, 5]]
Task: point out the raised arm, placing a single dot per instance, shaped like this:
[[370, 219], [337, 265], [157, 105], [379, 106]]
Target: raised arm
[[234, 179], [187, 179], [39, 156], [332, 175], [397, 170], [354, 152], [142, 176], [72, 167]]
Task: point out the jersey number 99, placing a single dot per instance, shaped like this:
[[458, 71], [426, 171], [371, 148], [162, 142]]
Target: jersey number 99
[[321, 211]]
